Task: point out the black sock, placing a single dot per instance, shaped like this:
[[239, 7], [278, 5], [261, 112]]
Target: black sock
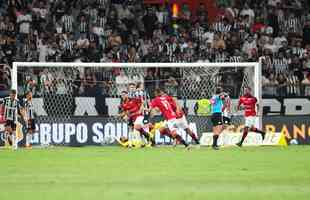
[[245, 133], [259, 131], [215, 138], [180, 139]]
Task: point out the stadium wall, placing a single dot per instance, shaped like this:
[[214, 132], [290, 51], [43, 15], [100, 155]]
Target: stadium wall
[[80, 131]]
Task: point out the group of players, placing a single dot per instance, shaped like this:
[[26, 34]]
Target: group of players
[[137, 109], [11, 109]]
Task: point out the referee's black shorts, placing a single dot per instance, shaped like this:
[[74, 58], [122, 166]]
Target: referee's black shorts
[[217, 119], [226, 120]]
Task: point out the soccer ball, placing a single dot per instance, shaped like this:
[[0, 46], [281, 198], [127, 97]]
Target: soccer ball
[[293, 142]]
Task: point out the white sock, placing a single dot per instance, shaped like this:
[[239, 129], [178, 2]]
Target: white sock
[[6, 136], [28, 139], [14, 140]]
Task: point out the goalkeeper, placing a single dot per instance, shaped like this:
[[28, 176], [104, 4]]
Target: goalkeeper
[[138, 143]]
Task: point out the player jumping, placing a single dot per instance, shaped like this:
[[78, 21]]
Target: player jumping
[[250, 105], [217, 102], [11, 109], [29, 118], [132, 109], [163, 103]]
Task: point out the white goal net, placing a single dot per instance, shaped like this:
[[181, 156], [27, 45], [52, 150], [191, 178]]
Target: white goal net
[[63, 91]]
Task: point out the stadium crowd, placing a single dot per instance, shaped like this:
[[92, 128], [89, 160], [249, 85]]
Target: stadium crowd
[[278, 31]]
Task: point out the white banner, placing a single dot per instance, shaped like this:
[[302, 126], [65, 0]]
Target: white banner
[[252, 139]]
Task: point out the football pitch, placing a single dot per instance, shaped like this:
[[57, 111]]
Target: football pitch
[[168, 173]]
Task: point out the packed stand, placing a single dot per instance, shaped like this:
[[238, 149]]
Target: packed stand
[[277, 31]]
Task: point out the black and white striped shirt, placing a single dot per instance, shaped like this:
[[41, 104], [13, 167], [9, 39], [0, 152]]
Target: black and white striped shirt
[[235, 59], [281, 65], [67, 21], [221, 27], [83, 27], [291, 25], [220, 57], [68, 45], [170, 48], [292, 86], [101, 21], [29, 109], [11, 108], [198, 33], [298, 51], [102, 3]]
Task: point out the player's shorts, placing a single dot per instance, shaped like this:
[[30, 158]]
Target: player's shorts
[[31, 125], [226, 120], [172, 124], [217, 119], [182, 122], [250, 121], [10, 124], [140, 121]]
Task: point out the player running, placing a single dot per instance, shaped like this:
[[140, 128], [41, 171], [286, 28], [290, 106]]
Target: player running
[[11, 108], [217, 102], [132, 110], [163, 103], [181, 119], [250, 105], [29, 118]]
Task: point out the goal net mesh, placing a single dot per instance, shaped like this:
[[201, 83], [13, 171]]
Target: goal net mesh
[[58, 90]]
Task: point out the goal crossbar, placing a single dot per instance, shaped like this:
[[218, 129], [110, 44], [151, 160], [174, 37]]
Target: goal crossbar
[[255, 65]]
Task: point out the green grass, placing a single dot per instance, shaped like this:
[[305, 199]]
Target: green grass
[[110, 173]]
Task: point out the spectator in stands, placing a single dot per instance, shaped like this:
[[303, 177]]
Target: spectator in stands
[[150, 22], [282, 83], [306, 61], [150, 82], [171, 85], [121, 81], [306, 84], [89, 83], [76, 85], [47, 79], [114, 31]]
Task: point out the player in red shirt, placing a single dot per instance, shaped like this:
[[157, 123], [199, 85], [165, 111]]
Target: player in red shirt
[[132, 110], [181, 119], [250, 104], [163, 103]]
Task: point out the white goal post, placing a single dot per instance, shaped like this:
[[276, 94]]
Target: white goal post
[[255, 65], [252, 73]]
